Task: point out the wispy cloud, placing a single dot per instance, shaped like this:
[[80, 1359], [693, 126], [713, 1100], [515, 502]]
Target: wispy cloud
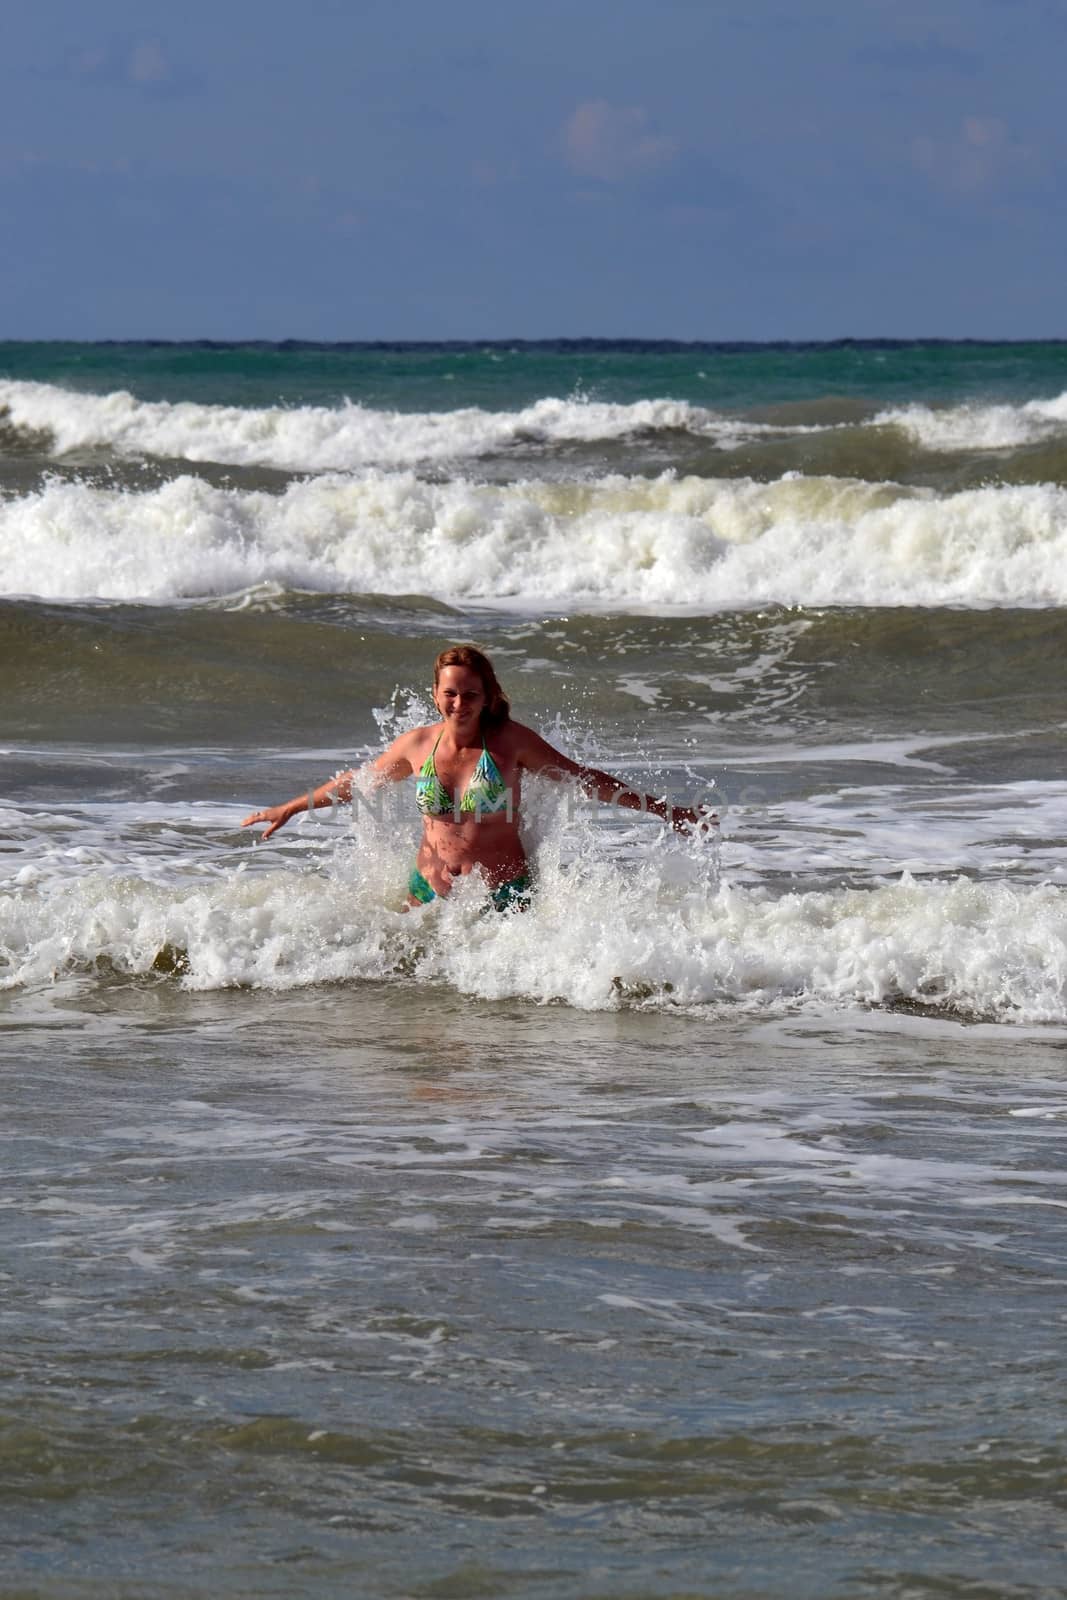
[[614, 143], [141, 63], [148, 63], [978, 155]]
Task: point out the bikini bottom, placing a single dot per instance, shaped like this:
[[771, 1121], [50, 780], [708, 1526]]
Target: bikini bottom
[[515, 893]]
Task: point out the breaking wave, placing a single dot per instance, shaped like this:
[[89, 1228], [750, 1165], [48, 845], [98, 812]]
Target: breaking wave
[[704, 543]]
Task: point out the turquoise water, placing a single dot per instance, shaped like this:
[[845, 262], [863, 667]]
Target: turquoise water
[[504, 376]]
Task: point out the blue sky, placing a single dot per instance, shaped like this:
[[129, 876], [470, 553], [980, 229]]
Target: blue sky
[[693, 169]]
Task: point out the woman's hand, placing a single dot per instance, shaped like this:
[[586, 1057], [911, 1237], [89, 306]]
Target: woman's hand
[[684, 819], [276, 816]]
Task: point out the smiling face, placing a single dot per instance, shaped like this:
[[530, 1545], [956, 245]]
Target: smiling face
[[460, 698]]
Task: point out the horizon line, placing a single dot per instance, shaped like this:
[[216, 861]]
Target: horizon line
[[562, 343]]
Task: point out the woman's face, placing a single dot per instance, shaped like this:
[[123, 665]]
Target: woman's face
[[460, 697]]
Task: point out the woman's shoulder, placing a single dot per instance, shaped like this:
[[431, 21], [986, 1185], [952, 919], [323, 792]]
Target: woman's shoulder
[[509, 736], [522, 743], [414, 740], [423, 732]]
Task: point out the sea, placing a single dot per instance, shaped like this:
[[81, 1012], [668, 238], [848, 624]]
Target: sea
[[700, 1231]]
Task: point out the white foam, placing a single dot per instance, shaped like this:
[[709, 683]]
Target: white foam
[[602, 932], [325, 438], [619, 541], [979, 427], [350, 436]]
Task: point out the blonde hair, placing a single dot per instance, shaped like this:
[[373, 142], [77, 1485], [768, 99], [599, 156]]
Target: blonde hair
[[497, 705]]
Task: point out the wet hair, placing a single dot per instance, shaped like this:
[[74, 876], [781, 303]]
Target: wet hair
[[497, 705]]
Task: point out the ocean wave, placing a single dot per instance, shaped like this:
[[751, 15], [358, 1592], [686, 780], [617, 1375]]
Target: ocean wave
[[353, 436], [346, 437], [708, 544], [979, 427], [600, 935]]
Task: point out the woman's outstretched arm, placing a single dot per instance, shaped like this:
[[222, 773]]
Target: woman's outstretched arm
[[392, 766], [537, 755]]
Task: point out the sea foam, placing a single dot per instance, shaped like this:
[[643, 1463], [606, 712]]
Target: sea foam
[[601, 934], [703, 543], [979, 427], [350, 435], [331, 438]]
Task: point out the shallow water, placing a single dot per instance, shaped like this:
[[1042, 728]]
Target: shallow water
[[419, 1295]]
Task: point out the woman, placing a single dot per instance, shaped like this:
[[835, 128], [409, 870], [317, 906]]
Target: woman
[[468, 769]]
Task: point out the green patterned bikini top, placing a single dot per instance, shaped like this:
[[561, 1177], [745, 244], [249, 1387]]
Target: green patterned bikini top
[[486, 792]]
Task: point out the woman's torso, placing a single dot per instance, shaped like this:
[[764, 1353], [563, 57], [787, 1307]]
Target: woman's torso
[[469, 800]]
